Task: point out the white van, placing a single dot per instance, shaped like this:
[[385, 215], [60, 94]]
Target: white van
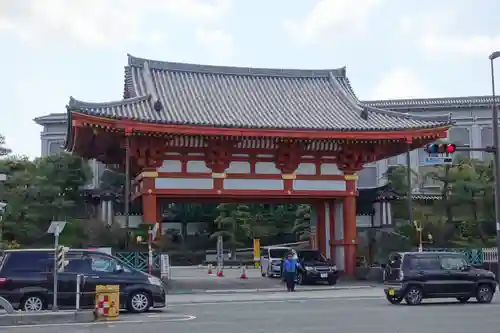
[[270, 260]]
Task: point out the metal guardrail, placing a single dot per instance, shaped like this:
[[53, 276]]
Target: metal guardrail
[[474, 256]]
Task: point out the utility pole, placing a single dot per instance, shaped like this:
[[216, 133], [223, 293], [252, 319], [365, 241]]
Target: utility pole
[[492, 58], [409, 185]]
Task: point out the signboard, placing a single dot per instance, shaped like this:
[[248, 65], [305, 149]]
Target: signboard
[[56, 227], [256, 252], [438, 160], [165, 267], [220, 253]]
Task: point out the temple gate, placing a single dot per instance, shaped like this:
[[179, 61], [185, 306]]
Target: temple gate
[[227, 134]]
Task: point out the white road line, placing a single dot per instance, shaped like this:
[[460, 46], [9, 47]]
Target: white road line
[[148, 319]]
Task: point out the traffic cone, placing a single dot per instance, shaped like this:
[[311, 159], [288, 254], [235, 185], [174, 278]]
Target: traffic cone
[[243, 272], [210, 272], [220, 273]]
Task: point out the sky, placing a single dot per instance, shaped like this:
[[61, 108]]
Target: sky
[[53, 49]]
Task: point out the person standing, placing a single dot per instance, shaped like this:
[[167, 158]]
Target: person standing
[[289, 271]]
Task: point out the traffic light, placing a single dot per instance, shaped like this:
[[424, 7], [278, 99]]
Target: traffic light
[[440, 148]]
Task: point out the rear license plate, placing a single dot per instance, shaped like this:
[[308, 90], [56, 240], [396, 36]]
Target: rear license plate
[[391, 292], [324, 275]]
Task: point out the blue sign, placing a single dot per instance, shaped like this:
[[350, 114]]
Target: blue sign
[[438, 160]]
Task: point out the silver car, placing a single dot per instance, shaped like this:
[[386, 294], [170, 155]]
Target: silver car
[[270, 260]]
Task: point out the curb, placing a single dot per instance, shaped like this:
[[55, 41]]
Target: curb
[[261, 290], [34, 318]]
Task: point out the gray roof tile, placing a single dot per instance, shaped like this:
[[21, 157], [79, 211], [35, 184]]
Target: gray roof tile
[[247, 98], [434, 103]]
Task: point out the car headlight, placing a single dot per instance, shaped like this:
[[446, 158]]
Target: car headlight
[[155, 281], [309, 269], [333, 268]]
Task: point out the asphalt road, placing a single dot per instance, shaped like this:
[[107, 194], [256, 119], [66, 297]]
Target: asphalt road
[[306, 315]]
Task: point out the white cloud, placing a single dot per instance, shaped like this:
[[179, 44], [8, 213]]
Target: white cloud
[[454, 45], [331, 18], [97, 23], [399, 83], [436, 36], [217, 41]]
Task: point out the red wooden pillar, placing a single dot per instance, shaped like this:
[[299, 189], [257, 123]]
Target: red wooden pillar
[[149, 199], [350, 232]]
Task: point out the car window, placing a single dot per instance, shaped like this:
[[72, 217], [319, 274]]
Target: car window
[[453, 263], [424, 263], [278, 253], [29, 261], [311, 256], [105, 264]]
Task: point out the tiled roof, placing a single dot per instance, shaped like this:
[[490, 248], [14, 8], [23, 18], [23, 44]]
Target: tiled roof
[[434, 103], [186, 94]]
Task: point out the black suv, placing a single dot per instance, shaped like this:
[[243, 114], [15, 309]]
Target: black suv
[[413, 276], [314, 267], [26, 280]]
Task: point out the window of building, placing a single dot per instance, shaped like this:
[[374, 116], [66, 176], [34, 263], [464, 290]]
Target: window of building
[[56, 147]]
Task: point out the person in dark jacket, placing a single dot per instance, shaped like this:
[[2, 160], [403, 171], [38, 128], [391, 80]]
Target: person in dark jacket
[[290, 266]]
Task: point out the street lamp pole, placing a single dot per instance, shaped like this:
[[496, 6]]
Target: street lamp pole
[[496, 139], [3, 205]]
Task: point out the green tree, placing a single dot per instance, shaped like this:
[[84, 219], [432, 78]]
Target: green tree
[[472, 194], [302, 224], [233, 224], [40, 191], [3, 149]]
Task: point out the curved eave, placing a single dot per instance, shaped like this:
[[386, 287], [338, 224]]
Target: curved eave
[[80, 118]]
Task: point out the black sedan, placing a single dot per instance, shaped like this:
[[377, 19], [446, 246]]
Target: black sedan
[[314, 267]]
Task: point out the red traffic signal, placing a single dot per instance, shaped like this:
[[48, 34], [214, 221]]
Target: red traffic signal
[[440, 148]]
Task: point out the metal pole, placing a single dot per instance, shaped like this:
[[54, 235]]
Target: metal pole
[[126, 210], [420, 240], [497, 162], [1, 229], [78, 282], [409, 188], [56, 245], [150, 251]]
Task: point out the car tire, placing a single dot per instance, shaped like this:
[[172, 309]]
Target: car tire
[[463, 299], [139, 302], [301, 279], [484, 293], [414, 295], [394, 300], [33, 303], [332, 281]]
